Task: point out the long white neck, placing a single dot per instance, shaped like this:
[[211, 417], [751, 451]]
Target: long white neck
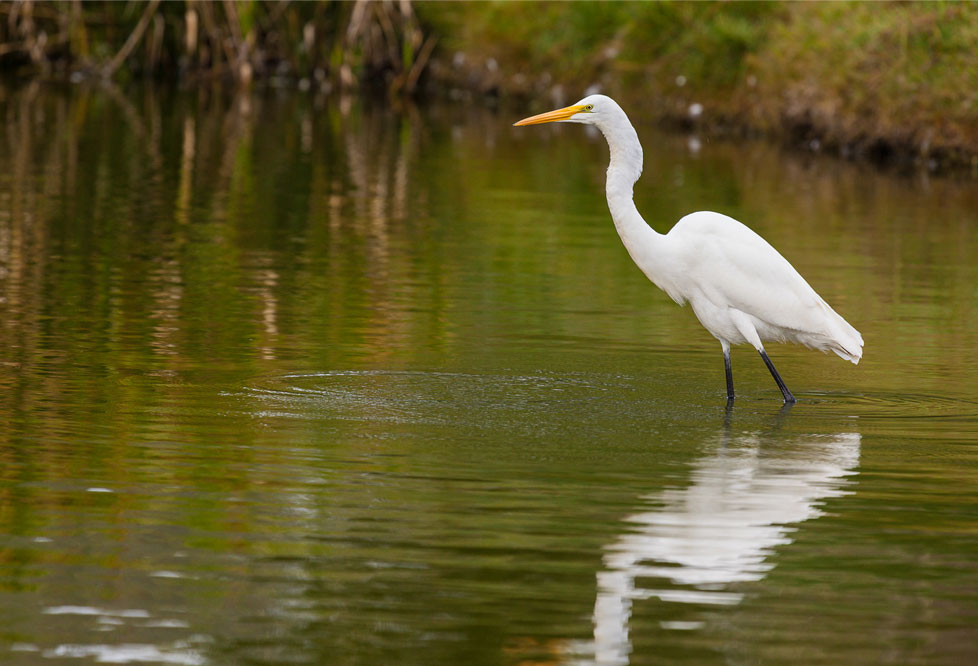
[[645, 246], [624, 170]]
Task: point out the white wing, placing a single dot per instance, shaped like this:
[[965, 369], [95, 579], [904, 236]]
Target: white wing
[[731, 266]]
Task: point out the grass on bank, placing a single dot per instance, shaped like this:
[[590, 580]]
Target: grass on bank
[[889, 79]]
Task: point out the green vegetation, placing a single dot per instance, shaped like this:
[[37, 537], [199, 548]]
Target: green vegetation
[[581, 43], [901, 77], [886, 80]]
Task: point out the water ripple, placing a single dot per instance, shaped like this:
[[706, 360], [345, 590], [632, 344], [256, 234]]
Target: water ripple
[[892, 405], [528, 402]]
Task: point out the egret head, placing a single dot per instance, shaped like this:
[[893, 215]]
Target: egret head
[[592, 110], [605, 114]]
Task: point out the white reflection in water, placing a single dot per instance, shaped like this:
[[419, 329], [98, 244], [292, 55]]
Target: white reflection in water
[[126, 654], [719, 530]]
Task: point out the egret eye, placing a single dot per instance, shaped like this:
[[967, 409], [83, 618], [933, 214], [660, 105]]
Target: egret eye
[[589, 107]]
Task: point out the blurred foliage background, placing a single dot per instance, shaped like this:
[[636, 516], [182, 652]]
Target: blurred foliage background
[[305, 43], [886, 80]]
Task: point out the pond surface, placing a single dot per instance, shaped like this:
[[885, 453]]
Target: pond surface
[[296, 381]]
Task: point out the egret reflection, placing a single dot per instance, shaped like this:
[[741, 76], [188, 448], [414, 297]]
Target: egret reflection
[[697, 541]]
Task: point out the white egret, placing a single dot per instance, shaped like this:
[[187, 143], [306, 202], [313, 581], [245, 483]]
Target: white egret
[[740, 288]]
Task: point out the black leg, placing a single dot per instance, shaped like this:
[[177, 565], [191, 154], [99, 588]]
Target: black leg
[[726, 367], [788, 398]]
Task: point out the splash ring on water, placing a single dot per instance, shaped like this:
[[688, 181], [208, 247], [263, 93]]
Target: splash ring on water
[[440, 397], [429, 397]]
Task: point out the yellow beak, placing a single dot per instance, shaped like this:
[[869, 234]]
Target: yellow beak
[[551, 116]]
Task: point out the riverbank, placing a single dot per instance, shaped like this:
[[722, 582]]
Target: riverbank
[[892, 83], [895, 83]]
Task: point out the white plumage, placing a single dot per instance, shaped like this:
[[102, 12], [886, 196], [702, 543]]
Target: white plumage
[[740, 288]]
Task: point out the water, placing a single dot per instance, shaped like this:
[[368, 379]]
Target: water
[[288, 380]]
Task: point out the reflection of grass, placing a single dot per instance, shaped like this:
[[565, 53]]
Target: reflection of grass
[[864, 76]]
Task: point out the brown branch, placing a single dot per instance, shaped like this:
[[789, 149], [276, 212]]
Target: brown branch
[[14, 47], [268, 21], [26, 46], [390, 35], [419, 63], [133, 39]]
